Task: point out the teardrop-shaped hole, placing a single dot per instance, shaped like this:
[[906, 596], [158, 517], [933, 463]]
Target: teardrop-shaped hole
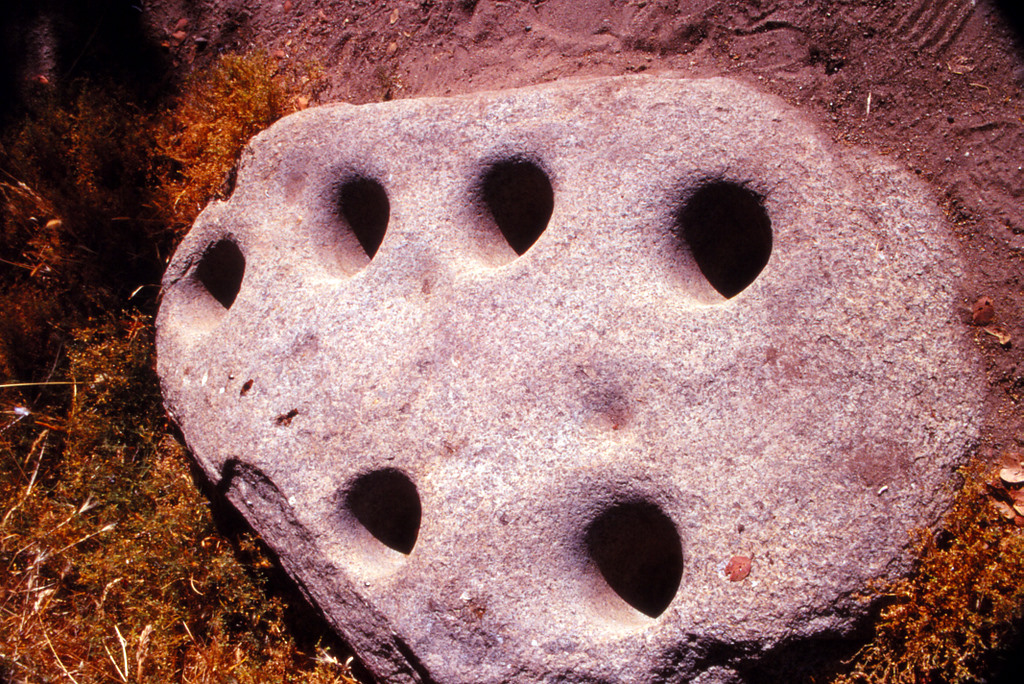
[[637, 550], [729, 234], [363, 205], [519, 196], [387, 504], [220, 271]]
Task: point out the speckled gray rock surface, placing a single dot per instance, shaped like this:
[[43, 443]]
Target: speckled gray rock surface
[[487, 466]]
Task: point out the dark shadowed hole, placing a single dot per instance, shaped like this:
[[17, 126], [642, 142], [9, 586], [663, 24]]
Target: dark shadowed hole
[[220, 271], [729, 234], [1013, 12], [639, 553], [386, 503], [519, 196], [364, 205]]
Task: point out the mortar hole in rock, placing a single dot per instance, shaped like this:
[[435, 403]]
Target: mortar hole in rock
[[637, 550], [519, 197], [387, 504], [729, 234], [220, 271], [363, 204]]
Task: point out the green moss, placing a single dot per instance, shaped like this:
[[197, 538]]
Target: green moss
[[110, 536]]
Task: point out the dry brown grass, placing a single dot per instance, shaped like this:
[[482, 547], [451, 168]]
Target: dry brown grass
[[944, 623], [113, 568], [215, 115]]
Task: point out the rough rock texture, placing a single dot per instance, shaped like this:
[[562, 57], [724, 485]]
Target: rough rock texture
[[495, 456]]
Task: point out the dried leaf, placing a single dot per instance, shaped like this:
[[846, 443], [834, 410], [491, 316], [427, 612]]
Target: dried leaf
[[999, 492], [983, 312], [998, 332], [1012, 474], [1004, 509], [738, 568], [1011, 458]]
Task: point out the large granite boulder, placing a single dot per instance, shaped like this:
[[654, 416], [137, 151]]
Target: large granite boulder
[[517, 383]]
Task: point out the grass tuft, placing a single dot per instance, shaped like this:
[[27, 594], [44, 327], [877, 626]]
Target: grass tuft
[[944, 623], [217, 113], [113, 567]]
